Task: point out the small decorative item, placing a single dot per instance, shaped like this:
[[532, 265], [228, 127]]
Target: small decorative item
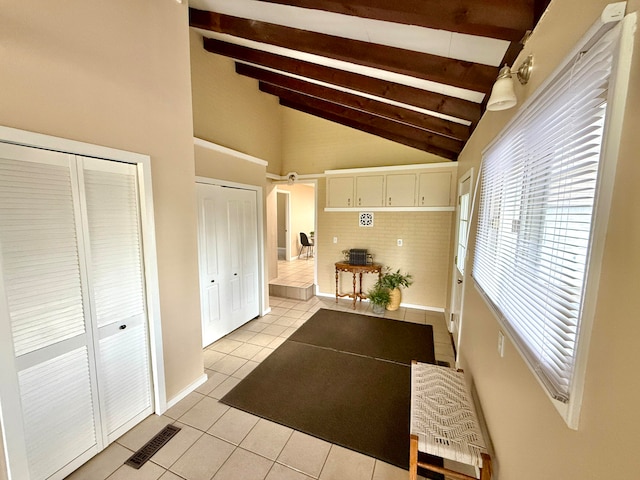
[[379, 297], [366, 219], [393, 281]]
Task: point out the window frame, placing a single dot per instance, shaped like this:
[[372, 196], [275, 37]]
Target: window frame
[[618, 87]]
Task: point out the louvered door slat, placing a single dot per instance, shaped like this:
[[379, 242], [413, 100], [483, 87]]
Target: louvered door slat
[[57, 408], [27, 264]]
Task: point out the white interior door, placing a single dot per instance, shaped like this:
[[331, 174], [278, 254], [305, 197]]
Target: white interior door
[[462, 233], [228, 252], [65, 277], [110, 199]]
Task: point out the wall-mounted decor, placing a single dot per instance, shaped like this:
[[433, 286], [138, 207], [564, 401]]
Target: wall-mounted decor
[[366, 219]]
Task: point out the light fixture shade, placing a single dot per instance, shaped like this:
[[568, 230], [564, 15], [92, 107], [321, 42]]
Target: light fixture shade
[[503, 96]]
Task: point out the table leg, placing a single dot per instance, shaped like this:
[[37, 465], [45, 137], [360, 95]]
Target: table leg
[[337, 278], [360, 293], [354, 291]]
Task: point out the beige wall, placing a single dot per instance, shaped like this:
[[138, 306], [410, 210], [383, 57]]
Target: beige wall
[[228, 109], [302, 215], [117, 74], [313, 145], [425, 252], [531, 440]]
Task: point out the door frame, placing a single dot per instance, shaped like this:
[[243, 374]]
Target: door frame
[[287, 222], [10, 424], [452, 296], [260, 218]]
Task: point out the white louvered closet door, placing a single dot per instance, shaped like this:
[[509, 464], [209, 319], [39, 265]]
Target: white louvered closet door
[[45, 305], [72, 300], [114, 253]]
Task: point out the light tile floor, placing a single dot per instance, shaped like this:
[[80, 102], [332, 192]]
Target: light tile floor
[[296, 273], [218, 442]]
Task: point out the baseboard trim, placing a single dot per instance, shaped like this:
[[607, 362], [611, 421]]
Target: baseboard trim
[[406, 305], [203, 378]]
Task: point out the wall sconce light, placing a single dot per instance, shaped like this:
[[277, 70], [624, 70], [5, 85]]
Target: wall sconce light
[[503, 96]]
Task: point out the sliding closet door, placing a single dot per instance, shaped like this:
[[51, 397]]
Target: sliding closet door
[[45, 306], [114, 253]]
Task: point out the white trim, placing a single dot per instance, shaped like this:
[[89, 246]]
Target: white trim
[[228, 151], [420, 166], [187, 390], [618, 88], [390, 209], [260, 217], [287, 223]]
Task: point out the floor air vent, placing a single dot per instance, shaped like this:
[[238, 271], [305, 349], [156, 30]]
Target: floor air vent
[[152, 446]]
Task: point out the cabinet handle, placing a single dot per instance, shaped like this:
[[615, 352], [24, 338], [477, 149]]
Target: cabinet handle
[[359, 201], [422, 200], [389, 200], [348, 201]]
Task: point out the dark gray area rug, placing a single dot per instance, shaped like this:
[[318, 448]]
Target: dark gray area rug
[[374, 337], [341, 391]]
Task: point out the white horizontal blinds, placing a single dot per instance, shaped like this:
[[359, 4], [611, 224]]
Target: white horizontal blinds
[[536, 204], [58, 414], [114, 237], [38, 245], [116, 273]]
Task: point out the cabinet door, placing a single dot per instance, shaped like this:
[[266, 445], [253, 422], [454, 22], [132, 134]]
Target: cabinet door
[[340, 192], [435, 189], [370, 191], [401, 190]]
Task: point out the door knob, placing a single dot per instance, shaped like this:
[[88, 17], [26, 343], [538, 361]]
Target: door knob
[[122, 327], [459, 281], [213, 281]]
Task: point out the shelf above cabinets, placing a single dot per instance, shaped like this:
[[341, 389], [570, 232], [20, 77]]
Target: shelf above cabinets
[[428, 187]]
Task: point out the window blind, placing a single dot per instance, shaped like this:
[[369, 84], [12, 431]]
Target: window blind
[[538, 191]]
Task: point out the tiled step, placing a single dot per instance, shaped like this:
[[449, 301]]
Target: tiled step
[[296, 293]]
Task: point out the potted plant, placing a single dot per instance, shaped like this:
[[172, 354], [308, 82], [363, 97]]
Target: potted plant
[[393, 281], [379, 297]]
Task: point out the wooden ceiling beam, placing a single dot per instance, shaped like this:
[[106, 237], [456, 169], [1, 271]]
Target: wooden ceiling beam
[[448, 71], [392, 112], [435, 102], [502, 19], [379, 124]]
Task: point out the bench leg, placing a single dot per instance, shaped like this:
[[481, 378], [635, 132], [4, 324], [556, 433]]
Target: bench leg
[[413, 458]]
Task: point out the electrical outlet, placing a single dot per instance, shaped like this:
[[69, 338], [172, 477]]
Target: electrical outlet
[[335, 239], [399, 242], [500, 343]]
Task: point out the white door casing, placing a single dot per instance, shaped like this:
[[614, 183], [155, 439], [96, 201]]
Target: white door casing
[[463, 212]]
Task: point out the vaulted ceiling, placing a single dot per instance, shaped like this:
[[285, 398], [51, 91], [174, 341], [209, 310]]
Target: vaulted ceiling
[[417, 72]]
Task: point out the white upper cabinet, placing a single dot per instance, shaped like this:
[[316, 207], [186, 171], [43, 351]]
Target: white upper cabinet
[[370, 191], [401, 190], [340, 192], [435, 189]]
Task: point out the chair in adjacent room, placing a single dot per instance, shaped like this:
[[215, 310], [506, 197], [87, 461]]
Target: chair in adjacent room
[[304, 242]]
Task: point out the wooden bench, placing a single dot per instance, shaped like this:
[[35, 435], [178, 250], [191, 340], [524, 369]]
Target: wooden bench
[[444, 423]]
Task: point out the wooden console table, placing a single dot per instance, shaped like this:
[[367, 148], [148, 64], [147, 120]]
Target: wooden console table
[[355, 270]]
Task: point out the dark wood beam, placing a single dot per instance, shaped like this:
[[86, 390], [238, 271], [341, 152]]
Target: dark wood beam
[[446, 105], [392, 112], [379, 124], [502, 19], [449, 71]]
